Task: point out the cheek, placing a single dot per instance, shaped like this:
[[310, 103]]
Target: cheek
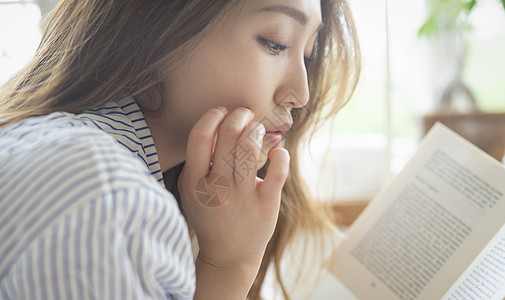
[[242, 77]]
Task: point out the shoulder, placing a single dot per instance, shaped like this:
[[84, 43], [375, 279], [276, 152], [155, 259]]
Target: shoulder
[[61, 180], [60, 156]]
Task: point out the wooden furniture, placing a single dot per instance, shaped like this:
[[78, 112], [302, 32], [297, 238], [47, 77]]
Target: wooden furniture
[[485, 130], [346, 212]]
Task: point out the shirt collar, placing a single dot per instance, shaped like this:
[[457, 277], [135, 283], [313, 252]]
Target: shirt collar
[[127, 125]]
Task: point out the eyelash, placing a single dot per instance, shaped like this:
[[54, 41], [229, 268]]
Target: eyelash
[[273, 47], [277, 48]]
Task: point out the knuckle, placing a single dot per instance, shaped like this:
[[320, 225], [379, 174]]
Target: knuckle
[[200, 136], [230, 129], [243, 110], [216, 112]]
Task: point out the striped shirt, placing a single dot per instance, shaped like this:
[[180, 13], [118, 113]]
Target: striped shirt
[[84, 213]]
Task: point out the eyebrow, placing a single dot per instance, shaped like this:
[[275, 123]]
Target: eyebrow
[[292, 12]]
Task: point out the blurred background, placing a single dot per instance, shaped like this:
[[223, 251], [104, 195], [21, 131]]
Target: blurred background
[[423, 60], [413, 52]]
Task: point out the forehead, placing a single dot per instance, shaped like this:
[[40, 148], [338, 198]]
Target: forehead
[[311, 8]]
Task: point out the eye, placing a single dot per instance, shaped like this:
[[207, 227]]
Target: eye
[[273, 47]]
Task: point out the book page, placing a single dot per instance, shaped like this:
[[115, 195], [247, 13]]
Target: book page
[[485, 278], [420, 233]]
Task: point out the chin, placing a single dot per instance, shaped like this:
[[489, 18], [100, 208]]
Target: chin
[[263, 158]]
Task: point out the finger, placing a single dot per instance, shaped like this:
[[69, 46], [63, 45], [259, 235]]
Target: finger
[[251, 143], [200, 144], [227, 149], [276, 175]]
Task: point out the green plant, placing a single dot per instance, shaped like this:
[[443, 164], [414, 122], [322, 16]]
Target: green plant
[[448, 14]]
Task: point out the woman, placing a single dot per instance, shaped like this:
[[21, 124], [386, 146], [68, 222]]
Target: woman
[[124, 97]]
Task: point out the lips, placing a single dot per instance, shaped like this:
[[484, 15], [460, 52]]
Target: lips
[[280, 129], [274, 136]]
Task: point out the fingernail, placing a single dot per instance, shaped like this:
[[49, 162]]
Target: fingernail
[[222, 108]]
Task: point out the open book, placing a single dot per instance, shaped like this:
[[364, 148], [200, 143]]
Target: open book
[[437, 231]]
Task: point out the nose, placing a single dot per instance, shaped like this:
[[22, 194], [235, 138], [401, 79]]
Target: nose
[[294, 92]]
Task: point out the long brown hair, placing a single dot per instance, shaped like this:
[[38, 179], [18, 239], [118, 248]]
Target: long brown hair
[[93, 51]]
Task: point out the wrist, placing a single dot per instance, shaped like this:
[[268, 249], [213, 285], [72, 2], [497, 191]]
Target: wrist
[[224, 279], [246, 268], [247, 265]]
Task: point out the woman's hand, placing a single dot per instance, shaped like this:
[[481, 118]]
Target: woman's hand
[[232, 211]]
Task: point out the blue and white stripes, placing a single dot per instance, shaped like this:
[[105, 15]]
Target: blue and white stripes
[[83, 214]]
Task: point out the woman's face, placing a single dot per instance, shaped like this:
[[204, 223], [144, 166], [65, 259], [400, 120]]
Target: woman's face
[[255, 59]]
